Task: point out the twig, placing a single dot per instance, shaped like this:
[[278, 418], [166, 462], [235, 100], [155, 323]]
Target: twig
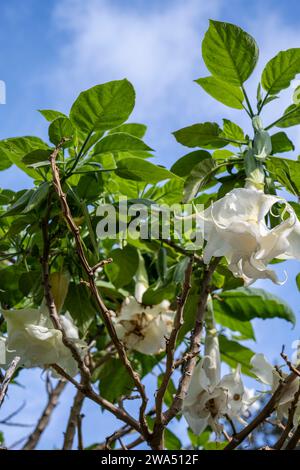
[[79, 431], [7, 378], [194, 345], [107, 405], [45, 417]]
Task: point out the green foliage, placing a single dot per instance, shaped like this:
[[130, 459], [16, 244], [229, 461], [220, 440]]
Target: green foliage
[[229, 53], [207, 135]]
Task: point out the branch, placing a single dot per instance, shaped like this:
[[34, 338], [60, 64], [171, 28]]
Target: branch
[[43, 421], [7, 378], [93, 287], [107, 405], [73, 420], [294, 440], [170, 350], [194, 345]]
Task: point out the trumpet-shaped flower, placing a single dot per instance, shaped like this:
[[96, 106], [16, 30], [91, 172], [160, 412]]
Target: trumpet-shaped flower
[[140, 327], [211, 397], [268, 375], [31, 335], [144, 328], [235, 227]]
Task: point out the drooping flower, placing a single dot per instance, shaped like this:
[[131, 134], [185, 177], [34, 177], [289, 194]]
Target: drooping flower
[[32, 336], [235, 227], [211, 397], [143, 328], [268, 375]]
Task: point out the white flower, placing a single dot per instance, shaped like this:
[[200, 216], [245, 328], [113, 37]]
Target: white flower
[[268, 375], [211, 397], [140, 327], [31, 335], [144, 328], [235, 227]]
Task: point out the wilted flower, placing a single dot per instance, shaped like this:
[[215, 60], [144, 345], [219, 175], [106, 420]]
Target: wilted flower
[[268, 375], [143, 328], [211, 397], [31, 335], [235, 227]]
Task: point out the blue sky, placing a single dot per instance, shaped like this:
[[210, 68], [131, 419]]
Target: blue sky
[[50, 51]]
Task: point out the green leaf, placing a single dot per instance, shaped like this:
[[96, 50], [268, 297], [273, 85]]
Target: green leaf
[[172, 442], [104, 106], [132, 128], [61, 128], [154, 295], [78, 303], [222, 154], [169, 193], [246, 303], [198, 441], [37, 156], [17, 147], [5, 162], [234, 353], [114, 380], [226, 93], [38, 196], [19, 204], [281, 143], [232, 131], [229, 53], [286, 171], [50, 114], [125, 263], [298, 281], [199, 177], [137, 169], [206, 135], [120, 142], [184, 165], [234, 324], [280, 70], [90, 187], [292, 119]]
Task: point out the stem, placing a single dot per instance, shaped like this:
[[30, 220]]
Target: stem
[[69, 173], [248, 102]]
